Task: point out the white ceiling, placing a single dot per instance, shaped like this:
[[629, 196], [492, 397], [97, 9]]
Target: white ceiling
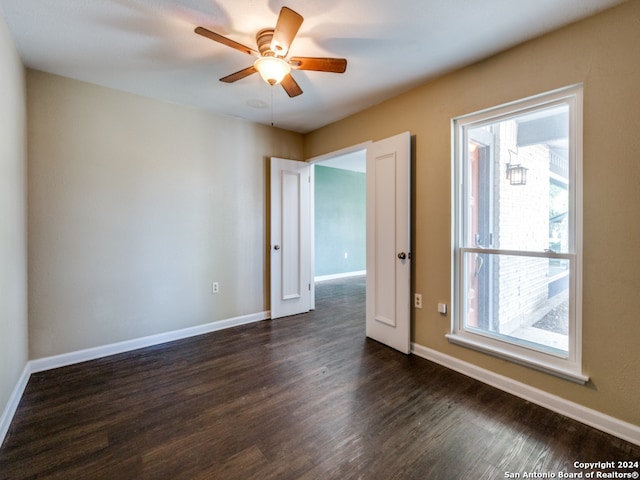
[[148, 47]]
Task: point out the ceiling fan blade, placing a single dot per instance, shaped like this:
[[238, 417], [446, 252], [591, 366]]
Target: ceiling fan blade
[[286, 29], [334, 65], [239, 75], [216, 37], [291, 86]]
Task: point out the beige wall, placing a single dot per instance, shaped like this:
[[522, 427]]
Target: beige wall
[[135, 207], [601, 52], [13, 243]]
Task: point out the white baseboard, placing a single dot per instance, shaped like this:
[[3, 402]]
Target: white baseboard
[[593, 418], [49, 363], [14, 401], [335, 276]]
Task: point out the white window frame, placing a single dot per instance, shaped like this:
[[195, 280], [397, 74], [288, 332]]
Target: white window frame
[[568, 367]]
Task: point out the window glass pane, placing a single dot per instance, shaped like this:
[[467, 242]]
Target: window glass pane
[[519, 299], [517, 182]]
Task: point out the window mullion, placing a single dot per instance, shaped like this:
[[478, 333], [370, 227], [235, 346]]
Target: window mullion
[[518, 253]]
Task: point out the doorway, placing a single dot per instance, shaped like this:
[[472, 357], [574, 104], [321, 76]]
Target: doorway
[[339, 216], [387, 247]]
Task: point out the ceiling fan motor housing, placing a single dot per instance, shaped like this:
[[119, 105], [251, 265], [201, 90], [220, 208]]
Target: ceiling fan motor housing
[[263, 39]]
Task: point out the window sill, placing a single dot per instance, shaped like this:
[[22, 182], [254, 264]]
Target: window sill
[[520, 359]]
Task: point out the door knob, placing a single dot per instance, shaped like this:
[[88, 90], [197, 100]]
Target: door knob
[[402, 256], [276, 247]]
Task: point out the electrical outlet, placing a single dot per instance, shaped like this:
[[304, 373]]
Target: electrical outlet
[[215, 287], [417, 300]]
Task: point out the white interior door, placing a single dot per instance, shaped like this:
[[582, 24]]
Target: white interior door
[[290, 238], [388, 242]]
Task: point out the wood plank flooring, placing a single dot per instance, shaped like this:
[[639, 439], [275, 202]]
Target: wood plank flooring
[[305, 397]]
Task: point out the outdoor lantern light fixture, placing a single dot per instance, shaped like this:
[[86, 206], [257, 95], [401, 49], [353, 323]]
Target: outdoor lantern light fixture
[[517, 174], [272, 69]]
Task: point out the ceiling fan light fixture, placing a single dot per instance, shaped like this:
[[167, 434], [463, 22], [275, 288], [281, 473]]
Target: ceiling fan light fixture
[[273, 48], [272, 69]]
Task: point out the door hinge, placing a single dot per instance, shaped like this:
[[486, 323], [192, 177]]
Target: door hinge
[[309, 287]]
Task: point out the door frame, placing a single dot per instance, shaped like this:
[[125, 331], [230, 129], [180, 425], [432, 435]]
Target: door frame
[[411, 219]]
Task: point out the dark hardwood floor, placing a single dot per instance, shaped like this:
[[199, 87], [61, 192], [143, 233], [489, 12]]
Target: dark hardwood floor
[[305, 397]]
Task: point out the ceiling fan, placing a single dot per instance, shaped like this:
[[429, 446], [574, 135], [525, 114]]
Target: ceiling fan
[[273, 46]]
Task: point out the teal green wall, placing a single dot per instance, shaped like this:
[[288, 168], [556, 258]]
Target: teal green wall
[[340, 221]]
